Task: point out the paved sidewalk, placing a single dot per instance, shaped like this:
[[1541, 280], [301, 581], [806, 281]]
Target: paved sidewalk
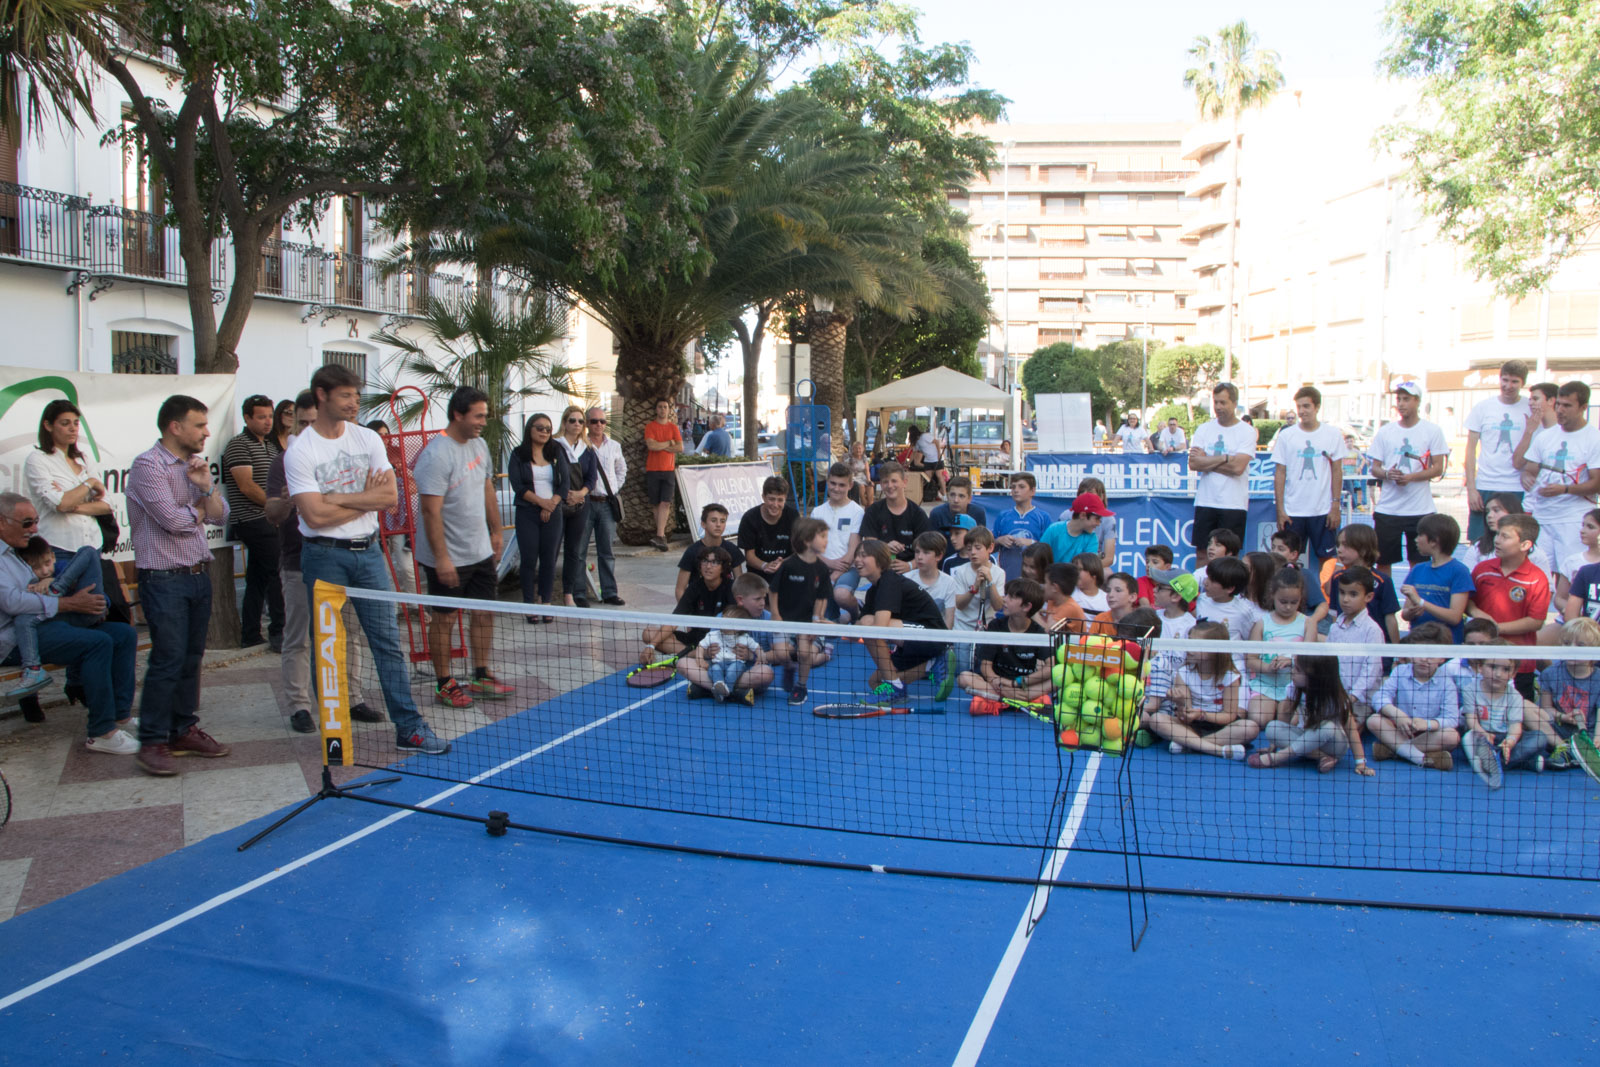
[[79, 818]]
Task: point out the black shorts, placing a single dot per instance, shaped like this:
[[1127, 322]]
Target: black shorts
[[477, 583], [659, 486], [1207, 519], [1396, 532], [909, 654]]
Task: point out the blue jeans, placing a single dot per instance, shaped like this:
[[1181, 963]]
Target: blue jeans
[[102, 657], [538, 544], [178, 609], [727, 671], [366, 570], [82, 566], [599, 518]]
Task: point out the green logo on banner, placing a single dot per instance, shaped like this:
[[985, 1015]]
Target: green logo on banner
[[13, 393]]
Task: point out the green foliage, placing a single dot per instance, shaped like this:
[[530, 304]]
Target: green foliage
[[1110, 374], [481, 344], [1504, 160], [1231, 75], [1182, 370], [1175, 411], [1266, 430], [48, 46]]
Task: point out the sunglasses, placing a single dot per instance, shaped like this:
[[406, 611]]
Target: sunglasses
[[597, 422], [576, 420], [26, 524], [541, 427]]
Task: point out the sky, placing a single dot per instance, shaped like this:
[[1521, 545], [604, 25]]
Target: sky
[[1079, 62]]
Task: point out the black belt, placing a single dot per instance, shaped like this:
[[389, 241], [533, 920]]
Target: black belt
[[354, 544], [193, 568]]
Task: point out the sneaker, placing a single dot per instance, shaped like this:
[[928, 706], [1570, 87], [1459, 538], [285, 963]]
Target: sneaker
[[300, 722], [1439, 761], [275, 644], [1381, 752], [983, 706], [198, 743], [1233, 752], [1561, 759], [422, 739], [116, 743], [659, 543], [720, 691], [747, 696], [614, 600], [491, 687], [698, 692], [948, 681], [797, 695], [33, 679], [1538, 764], [451, 695], [156, 760], [1175, 748], [892, 689], [251, 642], [363, 712]]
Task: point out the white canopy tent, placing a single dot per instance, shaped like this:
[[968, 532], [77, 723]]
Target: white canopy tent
[[942, 388]]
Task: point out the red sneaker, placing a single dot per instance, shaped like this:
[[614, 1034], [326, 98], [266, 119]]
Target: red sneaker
[[198, 743], [983, 706], [451, 695], [491, 687]]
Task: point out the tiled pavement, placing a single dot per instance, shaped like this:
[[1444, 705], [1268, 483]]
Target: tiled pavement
[[78, 818]]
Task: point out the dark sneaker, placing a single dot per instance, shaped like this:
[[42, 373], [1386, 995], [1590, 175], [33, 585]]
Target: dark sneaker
[[275, 644], [1439, 760], [1381, 752], [797, 695], [659, 543], [615, 601], [252, 642], [422, 739], [300, 722], [156, 760], [363, 712], [580, 601], [198, 743], [746, 696], [698, 692]]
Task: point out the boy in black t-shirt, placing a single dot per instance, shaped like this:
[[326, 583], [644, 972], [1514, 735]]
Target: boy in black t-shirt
[[706, 595], [894, 520], [1006, 671], [800, 594], [764, 531], [714, 521], [895, 601]]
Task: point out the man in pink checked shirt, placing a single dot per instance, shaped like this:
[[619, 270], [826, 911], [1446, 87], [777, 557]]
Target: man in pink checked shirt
[[171, 500]]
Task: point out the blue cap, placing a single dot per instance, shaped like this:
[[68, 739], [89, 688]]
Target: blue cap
[[961, 522]]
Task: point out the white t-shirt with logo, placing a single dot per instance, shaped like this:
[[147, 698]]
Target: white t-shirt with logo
[[1532, 502], [1564, 459], [314, 464], [1307, 459], [1133, 437], [1407, 449], [1499, 429], [1171, 437], [1214, 489], [843, 523]]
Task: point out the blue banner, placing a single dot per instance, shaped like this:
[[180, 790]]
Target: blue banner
[[1132, 472]]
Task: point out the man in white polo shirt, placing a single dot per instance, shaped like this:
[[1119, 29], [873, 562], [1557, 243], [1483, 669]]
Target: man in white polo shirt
[[1220, 454], [1494, 427], [1406, 454], [1309, 476]]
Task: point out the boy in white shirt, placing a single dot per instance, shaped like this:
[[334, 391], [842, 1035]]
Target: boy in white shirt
[[843, 517], [980, 583], [1226, 580], [926, 552]]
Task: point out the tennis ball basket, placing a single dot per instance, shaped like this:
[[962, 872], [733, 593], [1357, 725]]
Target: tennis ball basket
[[1097, 689]]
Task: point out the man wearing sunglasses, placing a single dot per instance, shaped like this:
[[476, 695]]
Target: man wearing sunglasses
[[601, 521], [102, 652]]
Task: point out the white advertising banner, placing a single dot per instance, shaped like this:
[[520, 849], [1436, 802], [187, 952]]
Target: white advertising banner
[[119, 422], [736, 486]]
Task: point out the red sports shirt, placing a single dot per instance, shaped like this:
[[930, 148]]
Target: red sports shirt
[[1522, 594]]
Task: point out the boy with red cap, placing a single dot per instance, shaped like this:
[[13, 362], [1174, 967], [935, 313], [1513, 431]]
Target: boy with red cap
[[1070, 537]]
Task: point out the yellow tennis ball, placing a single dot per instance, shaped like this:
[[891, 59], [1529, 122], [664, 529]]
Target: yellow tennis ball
[[1058, 677], [1093, 689], [1072, 694], [1128, 687]]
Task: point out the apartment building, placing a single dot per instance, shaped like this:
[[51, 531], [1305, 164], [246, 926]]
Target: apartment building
[[91, 279], [1081, 232]]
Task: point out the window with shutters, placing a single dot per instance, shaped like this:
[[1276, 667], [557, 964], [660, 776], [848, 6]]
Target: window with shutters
[[134, 352], [355, 361], [10, 206]]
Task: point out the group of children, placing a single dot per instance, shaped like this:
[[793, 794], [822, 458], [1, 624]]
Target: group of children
[[1268, 708]]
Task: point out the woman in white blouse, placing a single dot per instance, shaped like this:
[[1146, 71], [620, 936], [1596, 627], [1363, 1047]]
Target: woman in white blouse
[[64, 483]]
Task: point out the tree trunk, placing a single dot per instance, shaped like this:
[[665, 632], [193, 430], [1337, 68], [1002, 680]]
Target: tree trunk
[[223, 631], [646, 373], [1233, 253], [828, 330], [750, 347]]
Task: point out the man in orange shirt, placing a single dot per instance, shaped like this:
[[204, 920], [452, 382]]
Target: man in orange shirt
[[662, 441]]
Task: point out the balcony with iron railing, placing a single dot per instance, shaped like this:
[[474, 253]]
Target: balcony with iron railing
[[109, 242]]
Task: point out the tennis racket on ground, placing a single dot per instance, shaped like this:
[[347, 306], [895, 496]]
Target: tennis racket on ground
[[649, 675], [5, 800], [1586, 754], [1484, 759], [868, 711]]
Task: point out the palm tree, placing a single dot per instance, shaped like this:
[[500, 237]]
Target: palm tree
[[1230, 76], [51, 43], [503, 350], [778, 208]]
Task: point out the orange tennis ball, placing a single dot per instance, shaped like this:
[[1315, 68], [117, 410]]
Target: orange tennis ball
[[1068, 738], [1111, 729]]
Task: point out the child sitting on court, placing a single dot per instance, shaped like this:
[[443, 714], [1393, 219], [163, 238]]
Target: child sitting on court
[[1006, 671], [1061, 612], [1286, 547], [1474, 632], [749, 592], [1175, 593], [800, 593], [1494, 713], [82, 571], [1122, 596], [1224, 581], [1438, 588], [961, 527], [1325, 724], [1270, 688], [980, 582], [1418, 706], [1157, 558], [1358, 547], [1090, 594], [926, 552], [1354, 625], [1200, 710], [1220, 544], [1569, 691], [719, 652], [714, 521]]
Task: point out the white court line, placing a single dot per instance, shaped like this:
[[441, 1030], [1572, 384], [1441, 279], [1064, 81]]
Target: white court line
[[995, 995], [309, 858]]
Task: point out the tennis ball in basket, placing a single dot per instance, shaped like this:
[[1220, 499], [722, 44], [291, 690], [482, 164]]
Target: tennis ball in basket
[[1066, 718], [1093, 690], [1111, 729], [1112, 745], [1090, 734], [1129, 689], [1072, 694], [1058, 677], [1068, 738], [1092, 711]]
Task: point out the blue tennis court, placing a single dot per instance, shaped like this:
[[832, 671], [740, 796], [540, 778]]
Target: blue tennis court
[[357, 931]]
